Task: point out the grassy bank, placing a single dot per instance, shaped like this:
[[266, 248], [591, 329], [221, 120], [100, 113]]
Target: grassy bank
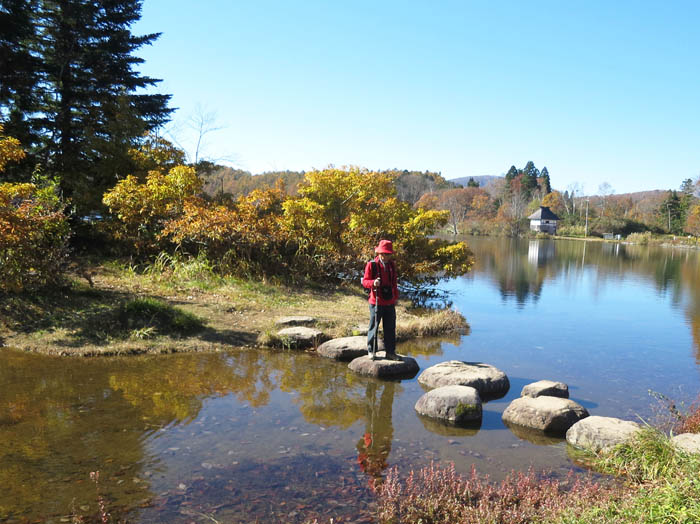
[[175, 305]]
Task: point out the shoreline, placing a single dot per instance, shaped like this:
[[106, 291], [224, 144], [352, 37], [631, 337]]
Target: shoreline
[[81, 320]]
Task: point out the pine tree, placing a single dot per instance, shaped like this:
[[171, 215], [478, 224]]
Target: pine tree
[[472, 182], [91, 110]]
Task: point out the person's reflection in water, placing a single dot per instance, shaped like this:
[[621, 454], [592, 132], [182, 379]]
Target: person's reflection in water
[[374, 447]]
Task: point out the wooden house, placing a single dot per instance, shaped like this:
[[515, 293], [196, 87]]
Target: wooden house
[[543, 220]]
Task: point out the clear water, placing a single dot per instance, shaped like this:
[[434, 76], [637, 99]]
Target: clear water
[[284, 436]]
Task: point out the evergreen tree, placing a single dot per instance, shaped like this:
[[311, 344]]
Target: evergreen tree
[[472, 182], [19, 70], [545, 184], [687, 186], [671, 213], [531, 170], [91, 111], [511, 174]]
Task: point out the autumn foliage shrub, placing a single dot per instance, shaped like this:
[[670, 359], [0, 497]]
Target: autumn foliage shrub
[[246, 237], [33, 229], [328, 230], [143, 208], [436, 495], [340, 215], [33, 236], [690, 421]]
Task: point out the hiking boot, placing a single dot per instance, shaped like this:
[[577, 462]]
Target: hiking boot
[[393, 356]]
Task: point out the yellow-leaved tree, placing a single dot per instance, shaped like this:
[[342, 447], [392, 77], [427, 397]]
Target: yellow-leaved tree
[[33, 229], [142, 207], [340, 215]]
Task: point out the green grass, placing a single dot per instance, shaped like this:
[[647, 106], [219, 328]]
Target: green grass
[[663, 484], [145, 316]]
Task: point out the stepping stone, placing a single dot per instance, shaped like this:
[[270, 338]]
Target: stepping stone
[[488, 380], [600, 433], [451, 404], [407, 367], [346, 348], [546, 388], [300, 337], [549, 414], [687, 442], [295, 321]]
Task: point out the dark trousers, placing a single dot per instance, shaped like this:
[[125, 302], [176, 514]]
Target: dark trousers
[[387, 316]]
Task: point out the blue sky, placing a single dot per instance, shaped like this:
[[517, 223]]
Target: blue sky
[[596, 91]]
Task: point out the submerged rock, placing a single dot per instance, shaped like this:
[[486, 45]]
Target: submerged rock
[[549, 414], [451, 404], [688, 442], [488, 380], [546, 388], [600, 433], [346, 348], [407, 367], [534, 436], [300, 337]]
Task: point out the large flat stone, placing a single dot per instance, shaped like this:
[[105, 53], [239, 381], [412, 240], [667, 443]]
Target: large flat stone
[[346, 348], [407, 367], [300, 337], [546, 388], [549, 414], [488, 380], [600, 433], [451, 404], [687, 442]]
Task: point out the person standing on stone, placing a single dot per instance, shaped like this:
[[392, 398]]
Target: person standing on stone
[[381, 279]]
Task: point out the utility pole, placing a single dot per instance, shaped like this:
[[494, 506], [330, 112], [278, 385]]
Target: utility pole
[[587, 201]]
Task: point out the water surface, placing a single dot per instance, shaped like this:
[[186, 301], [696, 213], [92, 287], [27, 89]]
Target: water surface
[[288, 436]]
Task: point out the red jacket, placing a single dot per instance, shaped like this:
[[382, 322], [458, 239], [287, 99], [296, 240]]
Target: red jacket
[[388, 278]]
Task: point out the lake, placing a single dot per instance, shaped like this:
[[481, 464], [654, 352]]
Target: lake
[[289, 436]]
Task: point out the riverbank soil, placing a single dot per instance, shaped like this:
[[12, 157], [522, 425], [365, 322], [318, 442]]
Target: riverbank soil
[[117, 310]]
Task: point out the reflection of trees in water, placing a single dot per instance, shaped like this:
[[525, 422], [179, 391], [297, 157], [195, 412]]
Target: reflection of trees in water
[[328, 393], [171, 388], [375, 445], [58, 423], [520, 271]]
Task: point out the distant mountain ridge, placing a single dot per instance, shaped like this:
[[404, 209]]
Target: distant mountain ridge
[[483, 180]]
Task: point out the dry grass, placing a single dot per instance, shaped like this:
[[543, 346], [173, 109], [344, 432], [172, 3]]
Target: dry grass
[[430, 324]]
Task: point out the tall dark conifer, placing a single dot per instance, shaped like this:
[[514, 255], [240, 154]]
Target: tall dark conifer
[[92, 107], [19, 75], [545, 184]]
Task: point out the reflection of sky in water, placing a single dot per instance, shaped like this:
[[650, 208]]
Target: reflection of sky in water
[[612, 325]]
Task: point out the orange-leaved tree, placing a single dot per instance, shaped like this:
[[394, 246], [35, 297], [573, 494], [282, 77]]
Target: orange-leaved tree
[[33, 229], [692, 221], [246, 237]]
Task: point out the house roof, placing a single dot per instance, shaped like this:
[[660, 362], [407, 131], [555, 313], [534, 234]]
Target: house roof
[[543, 213]]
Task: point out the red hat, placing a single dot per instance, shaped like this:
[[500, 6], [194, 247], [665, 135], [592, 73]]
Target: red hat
[[384, 246]]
